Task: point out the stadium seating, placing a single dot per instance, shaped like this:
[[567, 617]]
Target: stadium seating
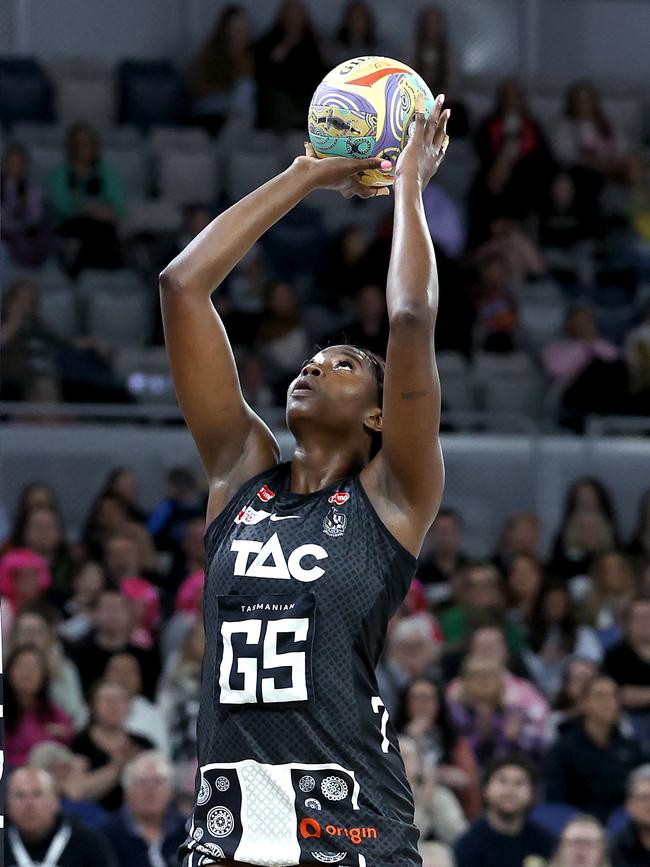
[[26, 92], [456, 380], [149, 93]]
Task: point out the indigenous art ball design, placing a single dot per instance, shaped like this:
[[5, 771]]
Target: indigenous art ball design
[[364, 108]]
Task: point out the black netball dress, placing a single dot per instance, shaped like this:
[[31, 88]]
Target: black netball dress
[[298, 762]]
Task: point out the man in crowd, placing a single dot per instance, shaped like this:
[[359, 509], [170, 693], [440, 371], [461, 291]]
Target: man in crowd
[[631, 846], [628, 663], [148, 830], [39, 833], [588, 765], [442, 555], [504, 836]]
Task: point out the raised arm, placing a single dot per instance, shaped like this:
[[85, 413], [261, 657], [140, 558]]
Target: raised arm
[[405, 480], [233, 441]]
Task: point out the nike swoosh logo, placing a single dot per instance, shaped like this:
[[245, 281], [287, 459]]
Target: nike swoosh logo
[[283, 517]]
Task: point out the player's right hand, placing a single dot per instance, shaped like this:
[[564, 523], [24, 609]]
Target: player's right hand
[[341, 173]]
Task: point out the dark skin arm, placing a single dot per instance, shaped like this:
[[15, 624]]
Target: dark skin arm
[[405, 480], [234, 443]]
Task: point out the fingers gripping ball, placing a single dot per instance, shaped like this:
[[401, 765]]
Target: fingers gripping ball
[[364, 108]]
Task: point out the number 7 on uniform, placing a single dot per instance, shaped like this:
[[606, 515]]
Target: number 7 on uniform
[[376, 704]]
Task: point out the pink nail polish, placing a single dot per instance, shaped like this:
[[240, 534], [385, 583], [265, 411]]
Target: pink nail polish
[[386, 164]]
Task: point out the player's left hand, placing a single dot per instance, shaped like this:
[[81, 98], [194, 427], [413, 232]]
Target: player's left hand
[[341, 173], [426, 148]]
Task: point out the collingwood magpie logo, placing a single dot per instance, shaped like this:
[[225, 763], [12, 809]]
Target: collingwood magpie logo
[[335, 522]]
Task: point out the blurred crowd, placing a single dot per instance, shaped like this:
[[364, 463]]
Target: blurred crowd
[[541, 227], [518, 684]]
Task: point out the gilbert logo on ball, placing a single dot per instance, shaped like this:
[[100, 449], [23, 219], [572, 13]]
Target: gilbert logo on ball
[[364, 108]]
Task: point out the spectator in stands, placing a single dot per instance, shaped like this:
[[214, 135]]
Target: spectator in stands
[[488, 642], [582, 844], [577, 672], [588, 527], [524, 579], [87, 201], [505, 836], [613, 587], [442, 554], [356, 34], [343, 269], [112, 629], [222, 77], [121, 558], [289, 65], [637, 359], [586, 370], [31, 628], [40, 528], [39, 833], [588, 764], [145, 718], [523, 258], [479, 595], [482, 714], [37, 494], [425, 717], [252, 376], [106, 740], [178, 696], [446, 221], [370, 326], [281, 339], [24, 578], [640, 544], [148, 829], [183, 502], [109, 516], [628, 663], [631, 846], [88, 581], [76, 786], [437, 812], [560, 223], [30, 717], [123, 483], [586, 142], [520, 535], [495, 308], [24, 224], [555, 634], [638, 179], [514, 159], [434, 59], [413, 651]]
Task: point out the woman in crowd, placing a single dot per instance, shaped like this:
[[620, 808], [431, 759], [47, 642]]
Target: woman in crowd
[[556, 634], [281, 339], [87, 202], [520, 535], [88, 581], [582, 844], [425, 718], [524, 579], [24, 578], [145, 718], [289, 65], [110, 516], [106, 741], [40, 528], [438, 814], [356, 35], [24, 224], [30, 717], [613, 587], [123, 482], [588, 527], [577, 672], [31, 628], [482, 715], [222, 77]]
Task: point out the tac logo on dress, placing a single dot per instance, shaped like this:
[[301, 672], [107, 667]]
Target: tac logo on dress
[[335, 523], [270, 561]]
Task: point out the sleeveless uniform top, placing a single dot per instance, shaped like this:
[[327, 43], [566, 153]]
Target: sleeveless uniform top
[[298, 762]]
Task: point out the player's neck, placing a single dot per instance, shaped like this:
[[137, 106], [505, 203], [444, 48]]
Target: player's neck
[[315, 467]]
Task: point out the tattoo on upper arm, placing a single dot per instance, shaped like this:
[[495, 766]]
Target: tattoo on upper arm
[[413, 395]]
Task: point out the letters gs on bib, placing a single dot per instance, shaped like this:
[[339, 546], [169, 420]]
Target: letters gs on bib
[[265, 648]]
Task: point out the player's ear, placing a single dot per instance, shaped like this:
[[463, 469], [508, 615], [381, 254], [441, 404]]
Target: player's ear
[[373, 421]]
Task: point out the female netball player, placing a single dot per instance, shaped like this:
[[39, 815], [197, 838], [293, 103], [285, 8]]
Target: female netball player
[[307, 560]]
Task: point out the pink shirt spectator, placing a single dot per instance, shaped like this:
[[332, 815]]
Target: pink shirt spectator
[[188, 598], [520, 693], [54, 725], [147, 609], [24, 576], [566, 359]]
